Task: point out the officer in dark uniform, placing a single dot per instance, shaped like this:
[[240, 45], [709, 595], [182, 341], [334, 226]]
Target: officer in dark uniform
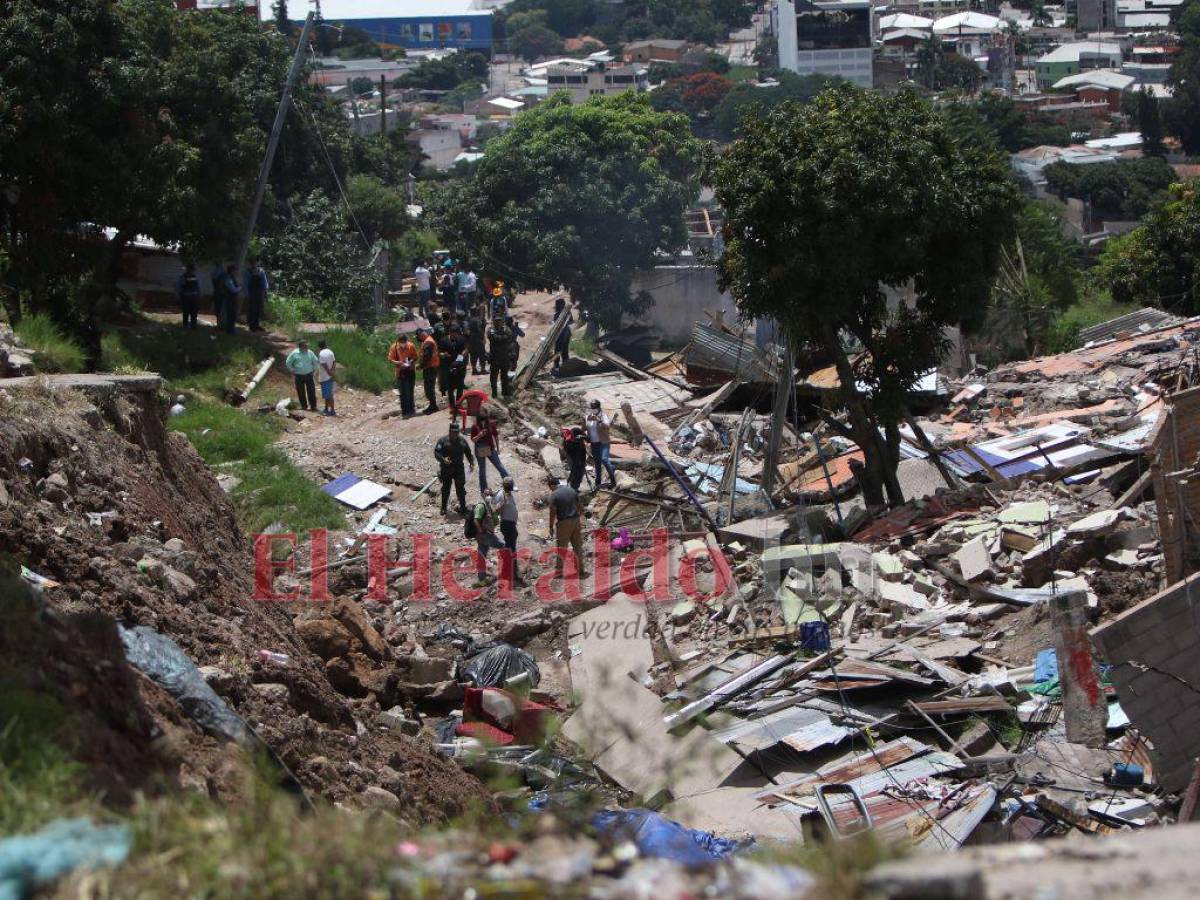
[[451, 452], [501, 343], [188, 289]]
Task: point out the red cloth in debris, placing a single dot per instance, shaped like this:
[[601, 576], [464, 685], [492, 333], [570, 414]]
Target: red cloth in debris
[[482, 731], [525, 720]]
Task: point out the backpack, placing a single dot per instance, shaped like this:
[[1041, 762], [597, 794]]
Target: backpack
[[470, 529]]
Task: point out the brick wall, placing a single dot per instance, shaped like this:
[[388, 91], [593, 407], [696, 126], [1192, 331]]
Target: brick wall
[[1177, 447], [1163, 634]]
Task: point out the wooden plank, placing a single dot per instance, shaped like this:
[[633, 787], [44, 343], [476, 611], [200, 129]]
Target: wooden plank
[[1134, 491], [543, 352], [988, 703]]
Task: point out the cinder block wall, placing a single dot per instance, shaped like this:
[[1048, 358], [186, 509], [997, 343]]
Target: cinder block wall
[[1155, 648], [1177, 497]]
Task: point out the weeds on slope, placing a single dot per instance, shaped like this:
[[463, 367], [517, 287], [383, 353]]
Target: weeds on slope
[[52, 350]]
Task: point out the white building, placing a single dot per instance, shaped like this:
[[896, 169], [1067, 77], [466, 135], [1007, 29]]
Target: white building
[[825, 37], [597, 75]]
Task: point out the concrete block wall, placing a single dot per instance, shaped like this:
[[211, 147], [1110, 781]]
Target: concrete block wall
[[1155, 649], [1177, 447]]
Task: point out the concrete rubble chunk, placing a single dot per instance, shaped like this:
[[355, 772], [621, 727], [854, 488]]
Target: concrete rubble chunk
[[1038, 563], [1034, 512], [182, 586], [888, 566], [378, 798], [896, 596], [271, 691], [395, 721], [802, 556], [974, 560], [1098, 524]]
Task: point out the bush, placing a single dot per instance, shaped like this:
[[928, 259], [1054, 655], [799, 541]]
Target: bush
[[288, 313], [1063, 333], [362, 359], [53, 351]]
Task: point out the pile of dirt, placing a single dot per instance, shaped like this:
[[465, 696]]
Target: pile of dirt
[[97, 495]]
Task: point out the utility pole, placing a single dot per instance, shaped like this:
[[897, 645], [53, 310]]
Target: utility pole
[[382, 104], [273, 142]]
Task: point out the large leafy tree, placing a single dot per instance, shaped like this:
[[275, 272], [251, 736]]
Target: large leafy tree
[[1158, 263], [133, 117], [1125, 189], [828, 204], [534, 42], [1182, 111], [579, 196]]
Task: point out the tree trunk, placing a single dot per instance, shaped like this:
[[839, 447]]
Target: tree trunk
[[862, 425]]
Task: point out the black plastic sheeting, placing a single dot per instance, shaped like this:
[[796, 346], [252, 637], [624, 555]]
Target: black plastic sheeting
[[490, 665], [162, 660]]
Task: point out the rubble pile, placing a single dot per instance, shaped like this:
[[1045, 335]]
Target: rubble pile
[[117, 519], [15, 359]]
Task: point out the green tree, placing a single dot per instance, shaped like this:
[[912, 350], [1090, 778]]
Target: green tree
[[1158, 263], [1182, 112], [447, 73], [361, 86], [282, 23], [1149, 123], [1125, 189], [534, 42], [826, 205], [744, 97], [514, 22], [380, 211], [319, 256], [580, 196], [697, 95]]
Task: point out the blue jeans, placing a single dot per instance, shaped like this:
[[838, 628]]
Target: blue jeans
[[485, 541], [423, 303], [495, 461], [600, 458]]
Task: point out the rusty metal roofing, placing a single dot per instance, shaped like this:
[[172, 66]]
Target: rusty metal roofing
[[801, 729]]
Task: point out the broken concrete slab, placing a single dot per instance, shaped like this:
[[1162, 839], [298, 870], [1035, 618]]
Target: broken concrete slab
[[899, 596], [1038, 563], [801, 556], [1098, 524], [974, 560], [1035, 512]]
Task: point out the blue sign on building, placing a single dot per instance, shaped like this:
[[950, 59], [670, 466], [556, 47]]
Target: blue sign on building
[[416, 24]]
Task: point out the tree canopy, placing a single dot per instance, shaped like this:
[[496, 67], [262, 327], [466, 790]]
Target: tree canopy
[[533, 42], [579, 196], [133, 117], [1125, 189], [727, 115], [996, 114], [827, 205], [446, 73], [1158, 263], [1182, 111]]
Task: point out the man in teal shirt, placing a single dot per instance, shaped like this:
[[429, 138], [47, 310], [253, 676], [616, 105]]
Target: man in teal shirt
[[302, 363]]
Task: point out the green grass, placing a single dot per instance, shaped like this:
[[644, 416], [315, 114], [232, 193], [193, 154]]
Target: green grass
[[52, 350], [362, 359], [200, 360], [272, 489], [1063, 333], [742, 73], [583, 346]]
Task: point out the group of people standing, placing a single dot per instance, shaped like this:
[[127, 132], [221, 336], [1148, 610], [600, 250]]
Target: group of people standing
[[458, 288], [464, 333], [307, 367], [225, 294]]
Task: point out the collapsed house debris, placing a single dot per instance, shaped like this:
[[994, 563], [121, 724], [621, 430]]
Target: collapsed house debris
[[925, 671]]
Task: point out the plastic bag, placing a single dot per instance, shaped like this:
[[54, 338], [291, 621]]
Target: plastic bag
[[164, 663], [662, 838], [491, 665], [31, 860]]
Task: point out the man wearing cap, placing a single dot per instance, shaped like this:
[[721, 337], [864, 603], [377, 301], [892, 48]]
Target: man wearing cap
[[451, 451], [575, 446], [564, 522], [456, 374], [485, 514], [500, 343], [598, 425]]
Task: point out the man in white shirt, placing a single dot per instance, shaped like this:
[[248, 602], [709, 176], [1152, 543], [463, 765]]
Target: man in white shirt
[[422, 274], [326, 364]]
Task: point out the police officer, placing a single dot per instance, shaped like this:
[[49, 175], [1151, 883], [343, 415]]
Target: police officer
[[451, 451], [188, 290], [501, 343]]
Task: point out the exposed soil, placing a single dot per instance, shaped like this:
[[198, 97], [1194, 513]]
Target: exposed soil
[[64, 455]]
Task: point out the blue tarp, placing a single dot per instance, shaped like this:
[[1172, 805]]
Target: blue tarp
[[32, 860], [1045, 666], [659, 837]]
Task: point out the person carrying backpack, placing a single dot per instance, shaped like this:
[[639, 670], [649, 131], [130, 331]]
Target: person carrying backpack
[[482, 527]]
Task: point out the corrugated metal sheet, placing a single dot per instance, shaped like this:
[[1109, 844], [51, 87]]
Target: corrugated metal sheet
[[1143, 319], [714, 357], [801, 729]]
